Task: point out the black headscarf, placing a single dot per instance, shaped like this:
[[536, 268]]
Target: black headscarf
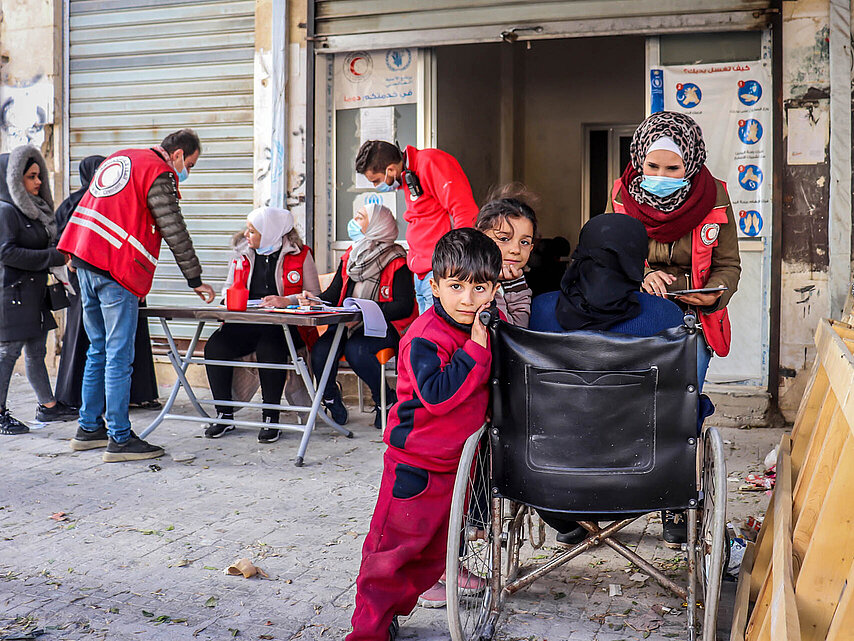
[[601, 286], [87, 168]]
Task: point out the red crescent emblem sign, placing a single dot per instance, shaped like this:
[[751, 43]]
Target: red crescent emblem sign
[[709, 233], [293, 277], [385, 291]]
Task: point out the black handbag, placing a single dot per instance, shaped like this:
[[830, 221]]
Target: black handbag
[[57, 298]]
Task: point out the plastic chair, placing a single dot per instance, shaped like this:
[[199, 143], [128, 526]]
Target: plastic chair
[[384, 356]]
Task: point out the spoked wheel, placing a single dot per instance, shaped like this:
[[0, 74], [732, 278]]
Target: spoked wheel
[[470, 566], [712, 545]]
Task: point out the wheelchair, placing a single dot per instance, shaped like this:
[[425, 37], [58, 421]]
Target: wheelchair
[[603, 429]]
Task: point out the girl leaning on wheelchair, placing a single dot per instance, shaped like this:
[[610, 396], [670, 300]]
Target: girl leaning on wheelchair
[[669, 227]]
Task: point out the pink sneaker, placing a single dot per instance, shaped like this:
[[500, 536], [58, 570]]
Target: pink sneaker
[[468, 583], [435, 597]]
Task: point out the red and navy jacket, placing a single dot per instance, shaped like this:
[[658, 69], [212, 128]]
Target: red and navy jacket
[[442, 393]]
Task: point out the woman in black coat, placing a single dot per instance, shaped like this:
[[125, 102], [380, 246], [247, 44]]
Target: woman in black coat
[[72, 360], [27, 253]]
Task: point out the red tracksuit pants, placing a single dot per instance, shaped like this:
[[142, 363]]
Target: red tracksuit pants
[[404, 552]]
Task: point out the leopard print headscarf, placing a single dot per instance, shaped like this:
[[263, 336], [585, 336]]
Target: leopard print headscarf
[[686, 133]]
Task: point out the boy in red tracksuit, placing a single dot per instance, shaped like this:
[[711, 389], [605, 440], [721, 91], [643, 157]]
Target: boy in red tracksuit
[[443, 369]]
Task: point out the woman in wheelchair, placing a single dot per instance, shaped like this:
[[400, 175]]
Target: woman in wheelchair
[[601, 291], [693, 242]]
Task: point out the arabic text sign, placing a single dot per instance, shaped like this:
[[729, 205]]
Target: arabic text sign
[[375, 78], [732, 104]]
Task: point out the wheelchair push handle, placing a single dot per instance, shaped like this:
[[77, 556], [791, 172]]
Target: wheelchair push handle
[[489, 317]]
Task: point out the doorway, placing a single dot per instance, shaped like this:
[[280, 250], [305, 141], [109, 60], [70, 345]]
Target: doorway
[[536, 112]]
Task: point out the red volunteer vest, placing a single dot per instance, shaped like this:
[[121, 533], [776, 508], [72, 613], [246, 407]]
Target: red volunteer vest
[[292, 272], [112, 227], [386, 294], [704, 238]]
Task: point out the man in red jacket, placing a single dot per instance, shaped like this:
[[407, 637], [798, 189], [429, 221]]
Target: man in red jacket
[[438, 199]]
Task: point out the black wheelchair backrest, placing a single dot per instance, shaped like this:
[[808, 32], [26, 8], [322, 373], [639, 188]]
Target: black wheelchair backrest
[[594, 422]]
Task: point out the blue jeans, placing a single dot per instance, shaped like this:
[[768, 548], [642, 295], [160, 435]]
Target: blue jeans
[[423, 293], [109, 317]]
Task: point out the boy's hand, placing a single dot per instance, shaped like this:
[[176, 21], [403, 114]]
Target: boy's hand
[[510, 272], [478, 329]]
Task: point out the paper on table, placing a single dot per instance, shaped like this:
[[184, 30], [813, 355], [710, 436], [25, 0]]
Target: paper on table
[[372, 316]]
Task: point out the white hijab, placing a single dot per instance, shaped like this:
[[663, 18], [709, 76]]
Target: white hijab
[[273, 223]]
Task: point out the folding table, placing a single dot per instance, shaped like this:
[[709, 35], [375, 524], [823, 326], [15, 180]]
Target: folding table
[[202, 315]]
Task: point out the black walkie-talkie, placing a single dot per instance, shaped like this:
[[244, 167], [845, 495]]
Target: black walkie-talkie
[[410, 178], [413, 184]]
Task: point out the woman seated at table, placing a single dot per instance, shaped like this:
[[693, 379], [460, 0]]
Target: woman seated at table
[[374, 268], [275, 267], [601, 291]]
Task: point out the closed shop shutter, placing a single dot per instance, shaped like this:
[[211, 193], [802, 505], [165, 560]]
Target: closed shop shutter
[[139, 69], [347, 25]]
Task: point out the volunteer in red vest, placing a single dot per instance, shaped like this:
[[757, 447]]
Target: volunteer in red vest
[[438, 199], [373, 268], [687, 213], [113, 238], [270, 260]]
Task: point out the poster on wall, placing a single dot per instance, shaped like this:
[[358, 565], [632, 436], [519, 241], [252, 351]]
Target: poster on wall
[[732, 104], [375, 78]]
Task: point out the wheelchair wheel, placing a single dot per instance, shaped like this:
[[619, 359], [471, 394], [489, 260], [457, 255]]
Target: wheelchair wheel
[[712, 545], [469, 562]]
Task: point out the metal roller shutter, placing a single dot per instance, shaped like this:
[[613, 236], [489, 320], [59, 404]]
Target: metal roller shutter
[[139, 69], [347, 25]]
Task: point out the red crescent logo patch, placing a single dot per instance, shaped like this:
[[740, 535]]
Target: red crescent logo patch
[[709, 233], [293, 277]]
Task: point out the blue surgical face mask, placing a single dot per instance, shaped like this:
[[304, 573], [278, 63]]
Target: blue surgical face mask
[[354, 231], [384, 187], [662, 186], [184, 173]]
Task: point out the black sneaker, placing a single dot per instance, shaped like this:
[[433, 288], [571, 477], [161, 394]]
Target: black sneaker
[[573, 536], [215, 430], [86, 440], [337, 410], [133, 449], [11, 426], [390, 399], [674, 529], [59, 412], [268, 434]]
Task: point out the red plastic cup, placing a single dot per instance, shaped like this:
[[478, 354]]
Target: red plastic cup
[[236, 299]]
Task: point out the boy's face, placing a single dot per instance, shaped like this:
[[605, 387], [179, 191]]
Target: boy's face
[[462, 298]]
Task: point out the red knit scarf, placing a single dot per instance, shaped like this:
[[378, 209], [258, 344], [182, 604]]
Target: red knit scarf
[[670, 227]]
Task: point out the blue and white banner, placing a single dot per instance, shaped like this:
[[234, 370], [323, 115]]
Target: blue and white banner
[[732, 104]]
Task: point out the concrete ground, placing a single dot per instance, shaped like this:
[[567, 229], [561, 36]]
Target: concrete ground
[[140, 550]]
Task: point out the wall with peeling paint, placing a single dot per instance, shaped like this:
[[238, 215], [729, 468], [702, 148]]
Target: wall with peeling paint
[[806, 191], [30, 77]]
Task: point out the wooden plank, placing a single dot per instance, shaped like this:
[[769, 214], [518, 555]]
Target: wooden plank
[[784, 613], [742, 595], [762, 553], [843, 618], [838, 362], [809, 496], [830, 554], [809, 411], [830, 414]]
